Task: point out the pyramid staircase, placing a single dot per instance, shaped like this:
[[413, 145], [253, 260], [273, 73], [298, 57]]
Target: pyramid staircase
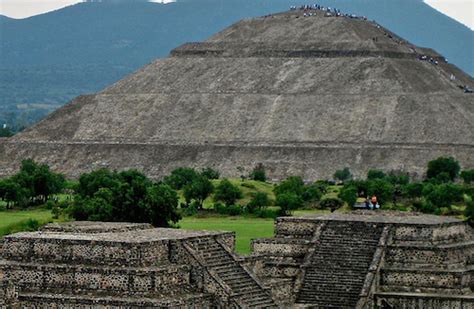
[[337, 269], [246, 290]]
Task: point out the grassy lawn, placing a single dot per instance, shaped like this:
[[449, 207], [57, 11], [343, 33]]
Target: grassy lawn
[[10, 219], [245, 228]]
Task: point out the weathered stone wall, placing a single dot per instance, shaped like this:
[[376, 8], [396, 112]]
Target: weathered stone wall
[[418, 301]]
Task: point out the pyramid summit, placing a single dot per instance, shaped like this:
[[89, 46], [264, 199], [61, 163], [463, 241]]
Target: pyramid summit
[[303, 92]]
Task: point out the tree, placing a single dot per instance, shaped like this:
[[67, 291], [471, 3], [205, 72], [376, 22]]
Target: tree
[[349, 195], [468, 176], [258, 173], [199, 189], [226, 192], [258, 201], [311, 193], [180, 177], [444, 195], [375, 174], [343, 175], [161, 201], [288, 202], [382, 189], [210, 173], [293, 184], [443, 169], [413, 190]]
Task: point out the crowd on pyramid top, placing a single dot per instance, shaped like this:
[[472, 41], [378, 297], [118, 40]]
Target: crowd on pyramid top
[[330, 12]]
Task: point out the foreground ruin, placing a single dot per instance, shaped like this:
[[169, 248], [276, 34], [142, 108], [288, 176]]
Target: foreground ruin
[[355, 260], [301, 95]]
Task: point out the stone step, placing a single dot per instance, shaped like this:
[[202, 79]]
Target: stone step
[[54, 300], [39, 276]]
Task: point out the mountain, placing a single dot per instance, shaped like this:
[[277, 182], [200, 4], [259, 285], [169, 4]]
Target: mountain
[[49, 59]]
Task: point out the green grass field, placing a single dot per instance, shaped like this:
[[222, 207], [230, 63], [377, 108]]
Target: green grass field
[[245, 228], [12, 220]]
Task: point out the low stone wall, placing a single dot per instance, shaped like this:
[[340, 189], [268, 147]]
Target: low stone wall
[[280, 246], [424, 234], [38, 277], [421, 301], [85, 252]]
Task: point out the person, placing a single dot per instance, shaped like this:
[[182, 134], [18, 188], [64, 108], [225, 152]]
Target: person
[[367, 203], [373, 203]]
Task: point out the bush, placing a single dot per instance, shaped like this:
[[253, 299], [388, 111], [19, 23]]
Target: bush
[[469, 212], [210, 173], [375, 174], [266, 213], [258, 173], [259, 200], [331, 203], [343, 175], [443, 169], [311, 194], [198, 190], [293, 185], [444, 195], [322, 186], [382, 189], [288, 202], [181, 177], [226, 192], [191, 210], [468, 176], [349, 195], [413, 190], [231, 210]]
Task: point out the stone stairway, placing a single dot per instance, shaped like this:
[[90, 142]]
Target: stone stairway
[[247, 291], [337, 269]]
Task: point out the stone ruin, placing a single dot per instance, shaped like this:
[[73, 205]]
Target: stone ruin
[[358, 260], [301, 95]]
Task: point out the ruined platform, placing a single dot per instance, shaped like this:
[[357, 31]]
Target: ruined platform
[[368, 258]]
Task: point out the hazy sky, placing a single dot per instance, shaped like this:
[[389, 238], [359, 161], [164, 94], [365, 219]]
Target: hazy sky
[[461, 10]]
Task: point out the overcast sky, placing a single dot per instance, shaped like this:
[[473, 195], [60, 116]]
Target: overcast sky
[[461, 10]]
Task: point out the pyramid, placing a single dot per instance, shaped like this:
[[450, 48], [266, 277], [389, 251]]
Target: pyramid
[[300, 95]]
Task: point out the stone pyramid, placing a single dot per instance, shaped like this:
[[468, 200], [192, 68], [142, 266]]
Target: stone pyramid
[[300, 95]]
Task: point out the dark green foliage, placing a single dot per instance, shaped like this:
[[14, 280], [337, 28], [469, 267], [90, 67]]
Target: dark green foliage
[[331, 203], [398, 178], [288, 202], [343, 175], [127, 196], [444, 195], [199, 189], [413, 190], [258, 173], [382, 189], [443, 169], [231, 210], [181, 177], [311, 193], [259, 201], [469, 212], [349, 195], [468, 176], [34, 183], [322, 186], [293, 184], [210, 173], [375, 174], [5, 132], [226, 192]]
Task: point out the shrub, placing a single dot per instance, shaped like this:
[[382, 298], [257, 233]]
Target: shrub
[[210, 173], [413, 190], [375, 174], [181, 177], [288, 202], [231, 210], [469, 212], [444, 195], [266, 213], [259, 200], [311, 194], [343, 175], [382, 189], [468, 176], [443, 169], [198, 190], [322, 186], [293, 184], [349, 195], [331, 203], [258, 173], [226, 192]]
